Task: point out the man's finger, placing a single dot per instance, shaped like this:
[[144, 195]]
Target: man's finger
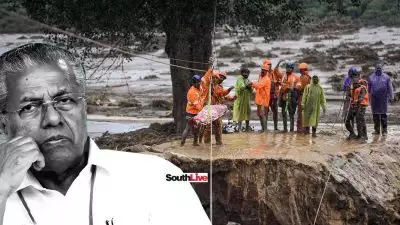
[[23, 141], [39, 164], [36, 159], [14, 139]]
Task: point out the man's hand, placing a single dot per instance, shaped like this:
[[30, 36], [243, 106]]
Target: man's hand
[[16, 157]]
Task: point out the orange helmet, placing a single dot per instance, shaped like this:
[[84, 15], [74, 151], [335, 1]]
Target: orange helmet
[[303, 66], [266, 64]]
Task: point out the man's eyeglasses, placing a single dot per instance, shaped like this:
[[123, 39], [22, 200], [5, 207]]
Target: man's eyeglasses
[[61, 103]]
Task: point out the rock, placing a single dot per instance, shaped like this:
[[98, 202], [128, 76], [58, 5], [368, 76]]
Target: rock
[[250, 64], [22, 37], [135, 148], [319, 59], [151, 77], [37, 37], [228, 52], [130, 102], [163, 104]]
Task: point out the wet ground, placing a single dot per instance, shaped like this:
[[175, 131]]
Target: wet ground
[[302, 148]]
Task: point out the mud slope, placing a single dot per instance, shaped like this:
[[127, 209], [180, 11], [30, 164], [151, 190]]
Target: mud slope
[[279, 179]]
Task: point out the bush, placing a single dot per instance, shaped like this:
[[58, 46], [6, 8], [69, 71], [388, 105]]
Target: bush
[[130, 102], [250, 64], [228, 52], [151, 77], [162, 104]]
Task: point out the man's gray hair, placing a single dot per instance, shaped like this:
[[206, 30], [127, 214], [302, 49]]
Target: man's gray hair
[[25, 57]]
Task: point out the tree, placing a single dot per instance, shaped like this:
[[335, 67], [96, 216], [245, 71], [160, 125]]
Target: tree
[[188, 26]]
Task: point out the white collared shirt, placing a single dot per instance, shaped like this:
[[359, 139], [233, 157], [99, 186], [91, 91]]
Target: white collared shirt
[[129, 189]]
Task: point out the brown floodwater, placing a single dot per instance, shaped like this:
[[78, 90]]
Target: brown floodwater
[[302, 148]]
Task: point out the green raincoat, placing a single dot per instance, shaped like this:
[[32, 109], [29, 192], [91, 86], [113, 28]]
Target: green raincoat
[[241, 107], [313, 100]]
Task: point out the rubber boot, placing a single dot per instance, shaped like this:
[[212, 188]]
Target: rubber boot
[[262, 123], [195, 141], [377, 129], [291, 124], [314, 131], [239, 127], [275, 118], [377, 125], [285, 130], [306, 130], [266, 124], [352, 136], [248, 128]]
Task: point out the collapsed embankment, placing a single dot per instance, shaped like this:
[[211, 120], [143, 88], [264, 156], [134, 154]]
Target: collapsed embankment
[[279, 179]]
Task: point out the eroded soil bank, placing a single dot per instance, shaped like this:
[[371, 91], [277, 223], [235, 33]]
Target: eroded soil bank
[[278, 178]]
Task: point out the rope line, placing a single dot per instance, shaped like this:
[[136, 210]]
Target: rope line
[[322, 197], [55, 29], [209, 112]]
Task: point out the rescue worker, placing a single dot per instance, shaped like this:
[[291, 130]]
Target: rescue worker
[[218, 95], [288, 99], [263, 87], [347, 85], [276, 80], [359, 103], [196, 98], [312, 102], [381, 91], [304, 80], [193, 107], [241, 107]]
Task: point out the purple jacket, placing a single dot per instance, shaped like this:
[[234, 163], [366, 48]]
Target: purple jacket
[[346, 84], [381, 90]]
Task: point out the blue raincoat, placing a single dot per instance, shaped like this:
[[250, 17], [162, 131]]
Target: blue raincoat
[[381, 90]]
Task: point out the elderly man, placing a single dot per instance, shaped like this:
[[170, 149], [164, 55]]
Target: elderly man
[[51, 172], [381, 90]]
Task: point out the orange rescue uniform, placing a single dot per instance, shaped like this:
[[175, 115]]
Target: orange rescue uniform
[[276, 81], [289, 82], [355, 95], [263, 87], [194, 101], [304, 80]]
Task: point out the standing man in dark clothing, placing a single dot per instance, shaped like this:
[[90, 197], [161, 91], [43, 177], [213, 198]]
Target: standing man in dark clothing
[[289, 99], [276, 80], [381, 90], [359, 103]]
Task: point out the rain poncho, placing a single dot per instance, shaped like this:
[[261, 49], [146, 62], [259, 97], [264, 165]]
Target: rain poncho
[[313, 100], [209, 114], [381, 90], [346, 84], [346, 91], [241, 107]]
